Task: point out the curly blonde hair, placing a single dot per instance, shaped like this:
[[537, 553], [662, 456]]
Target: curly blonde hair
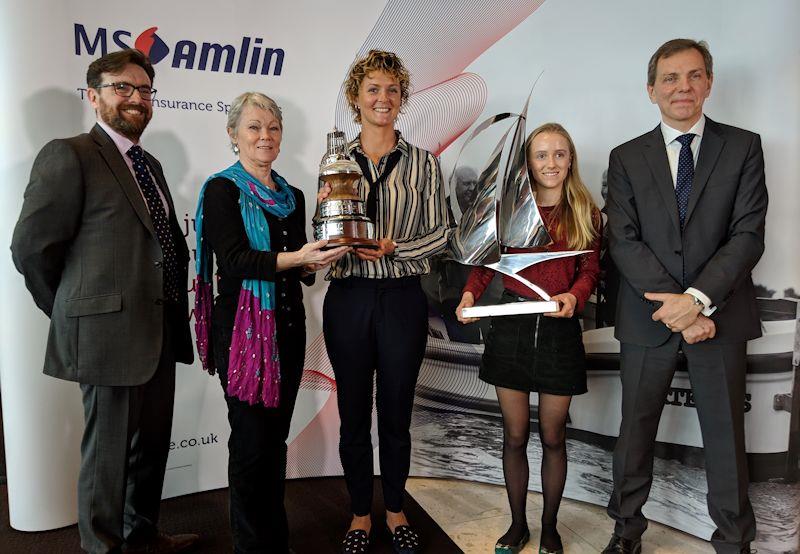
[[376, 60]]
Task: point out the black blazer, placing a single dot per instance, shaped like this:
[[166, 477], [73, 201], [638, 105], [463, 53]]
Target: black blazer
[[723, 235], [92, 262]]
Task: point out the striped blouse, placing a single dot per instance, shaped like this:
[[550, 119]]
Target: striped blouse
[[411, 211]]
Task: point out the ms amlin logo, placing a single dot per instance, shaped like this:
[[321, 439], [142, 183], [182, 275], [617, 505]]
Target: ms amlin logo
[[250, 57]]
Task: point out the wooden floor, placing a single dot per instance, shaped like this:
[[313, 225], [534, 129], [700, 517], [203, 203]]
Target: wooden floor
[[474, 515]]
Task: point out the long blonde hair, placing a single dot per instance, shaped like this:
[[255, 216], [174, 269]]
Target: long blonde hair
[[577, 211]]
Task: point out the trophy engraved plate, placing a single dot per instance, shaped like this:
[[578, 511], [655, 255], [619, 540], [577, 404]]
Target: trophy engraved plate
[[341, 207], [341, 218], [512, 308]]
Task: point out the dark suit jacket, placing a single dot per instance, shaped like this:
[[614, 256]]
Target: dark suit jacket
[[723, 236], [91, 260]]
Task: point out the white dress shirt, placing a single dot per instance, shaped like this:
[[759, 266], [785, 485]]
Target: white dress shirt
[[124, 144], [673, 153]]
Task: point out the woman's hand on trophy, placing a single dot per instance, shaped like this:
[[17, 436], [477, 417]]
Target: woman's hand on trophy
[[313, 267], [308, 269], [311, 254], [566, 304], [467, 301], [323, 192], [386, 247]]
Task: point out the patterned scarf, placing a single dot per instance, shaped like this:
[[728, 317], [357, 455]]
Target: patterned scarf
[[253, 365]]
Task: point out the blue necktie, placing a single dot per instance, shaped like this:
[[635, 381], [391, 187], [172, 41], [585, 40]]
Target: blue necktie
[[683, 185], [160, 222]]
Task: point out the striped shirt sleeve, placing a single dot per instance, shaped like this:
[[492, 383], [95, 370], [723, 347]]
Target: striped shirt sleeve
[[433, 218], [411, 211]]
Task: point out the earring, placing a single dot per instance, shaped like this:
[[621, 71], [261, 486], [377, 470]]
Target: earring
[[236, 149]]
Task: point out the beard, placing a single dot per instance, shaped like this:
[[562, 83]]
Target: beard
[[116, 119]]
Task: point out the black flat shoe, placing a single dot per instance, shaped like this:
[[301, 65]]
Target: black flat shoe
[[355, 542], [501, 548], [404, 539], [550, 533]]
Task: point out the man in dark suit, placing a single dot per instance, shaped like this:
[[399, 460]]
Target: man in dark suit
[[686, 209], [104, 257]]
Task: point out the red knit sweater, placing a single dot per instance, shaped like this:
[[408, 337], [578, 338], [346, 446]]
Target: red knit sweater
[[576, 274]]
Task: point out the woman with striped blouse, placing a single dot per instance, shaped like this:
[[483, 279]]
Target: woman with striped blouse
[[375, 312]]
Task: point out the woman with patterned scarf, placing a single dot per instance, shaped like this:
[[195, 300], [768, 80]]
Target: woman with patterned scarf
[[253, 335]]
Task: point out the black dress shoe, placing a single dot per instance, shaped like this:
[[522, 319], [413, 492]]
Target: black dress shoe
[[404, 539], [355, 541], [619, 545]]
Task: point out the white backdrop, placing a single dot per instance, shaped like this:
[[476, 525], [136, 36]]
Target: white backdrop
[[594, 57]]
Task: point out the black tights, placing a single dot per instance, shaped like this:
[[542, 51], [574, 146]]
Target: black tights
[[515, 406]]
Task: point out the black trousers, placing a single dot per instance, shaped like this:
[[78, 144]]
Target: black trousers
[[124, 453], [257, 449], [717, 373], [375, 327]]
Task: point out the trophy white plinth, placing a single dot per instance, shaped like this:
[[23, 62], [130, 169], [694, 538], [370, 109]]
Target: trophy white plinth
[[512, 308]]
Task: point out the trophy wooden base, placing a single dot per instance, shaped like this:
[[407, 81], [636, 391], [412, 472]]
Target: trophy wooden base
[[512, 308], [353, 242]]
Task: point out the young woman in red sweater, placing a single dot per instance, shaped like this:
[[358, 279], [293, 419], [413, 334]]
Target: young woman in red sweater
[[542, 353]]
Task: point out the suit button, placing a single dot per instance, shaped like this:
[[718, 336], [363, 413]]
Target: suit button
[[678, 252], [158, 263], [285, 233], [159, 301]]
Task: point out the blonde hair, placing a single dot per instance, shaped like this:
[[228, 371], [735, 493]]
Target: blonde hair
[[257, 99], [577, 211], [376, 60]]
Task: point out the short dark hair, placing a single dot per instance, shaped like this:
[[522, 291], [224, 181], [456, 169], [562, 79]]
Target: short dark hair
[[114, 62], [673, 47]]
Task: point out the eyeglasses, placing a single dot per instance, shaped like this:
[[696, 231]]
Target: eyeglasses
[[126, 90]]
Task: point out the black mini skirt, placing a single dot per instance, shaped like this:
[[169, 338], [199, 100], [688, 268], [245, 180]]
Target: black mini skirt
[[535, 353]]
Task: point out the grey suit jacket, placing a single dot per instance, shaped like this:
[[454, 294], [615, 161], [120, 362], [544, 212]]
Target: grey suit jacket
[[723, 235], [91, 260]]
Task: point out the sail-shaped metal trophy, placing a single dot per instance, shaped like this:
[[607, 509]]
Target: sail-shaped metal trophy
[[512, 220], [341, 218]]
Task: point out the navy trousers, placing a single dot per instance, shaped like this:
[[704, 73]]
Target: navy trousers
[[375, 329]]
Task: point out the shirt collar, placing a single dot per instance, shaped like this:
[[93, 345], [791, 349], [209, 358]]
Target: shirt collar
[[671, 134], [401, 145], [123, 143]]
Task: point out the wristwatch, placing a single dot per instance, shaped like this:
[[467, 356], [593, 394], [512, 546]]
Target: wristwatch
[[696, 301]]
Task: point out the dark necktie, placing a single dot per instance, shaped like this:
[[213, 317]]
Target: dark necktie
[[160, 222], [683, 184]]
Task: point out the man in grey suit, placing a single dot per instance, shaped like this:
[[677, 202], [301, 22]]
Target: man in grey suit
[[686, 209], [104, 257]]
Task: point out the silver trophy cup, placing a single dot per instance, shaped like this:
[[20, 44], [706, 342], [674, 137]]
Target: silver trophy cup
[[341, 218]]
